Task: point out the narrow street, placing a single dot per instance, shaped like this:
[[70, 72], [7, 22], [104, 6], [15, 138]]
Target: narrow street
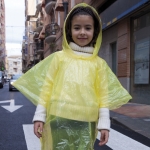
[[16, 127]]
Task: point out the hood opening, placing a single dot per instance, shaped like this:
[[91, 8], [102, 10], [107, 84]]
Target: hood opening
[[96, 43]]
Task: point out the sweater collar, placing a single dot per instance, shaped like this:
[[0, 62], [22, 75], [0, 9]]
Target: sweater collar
[[77, 48]]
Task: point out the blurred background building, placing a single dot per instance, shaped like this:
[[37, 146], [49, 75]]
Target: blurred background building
[[125, 44], [14, 65], [2, 37]]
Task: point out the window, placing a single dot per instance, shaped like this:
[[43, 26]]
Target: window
[[15, 63], [114, 57], [15, 69], [58, 18], [72, 3], [140, 59]]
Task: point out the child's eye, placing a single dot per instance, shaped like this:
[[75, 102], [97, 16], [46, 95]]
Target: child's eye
[[88, 28], [76, 28]]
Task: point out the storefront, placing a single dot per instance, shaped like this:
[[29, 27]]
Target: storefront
[[140, 57], [128, 27]]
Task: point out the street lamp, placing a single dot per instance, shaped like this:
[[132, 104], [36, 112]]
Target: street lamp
[[65, 5]]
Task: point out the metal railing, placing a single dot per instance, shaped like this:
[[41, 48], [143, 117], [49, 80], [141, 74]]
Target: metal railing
[[39, 22], [51, 29]]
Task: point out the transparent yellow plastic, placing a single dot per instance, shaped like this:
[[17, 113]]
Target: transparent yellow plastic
[[65, 134]]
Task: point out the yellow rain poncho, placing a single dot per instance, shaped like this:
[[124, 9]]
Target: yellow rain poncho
[[72, 86]]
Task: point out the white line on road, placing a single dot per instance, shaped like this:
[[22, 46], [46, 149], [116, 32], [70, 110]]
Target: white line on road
[[33, 143], [118, 141], [12, 107]]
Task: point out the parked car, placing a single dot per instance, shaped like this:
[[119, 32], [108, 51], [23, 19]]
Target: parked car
[[7, 80], [1, 79], [5, 77], [13, 79]]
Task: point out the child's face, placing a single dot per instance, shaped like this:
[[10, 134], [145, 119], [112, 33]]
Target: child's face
[[82, 29]]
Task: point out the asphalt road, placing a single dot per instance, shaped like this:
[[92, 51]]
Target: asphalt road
[[11, 130], [12, 134]]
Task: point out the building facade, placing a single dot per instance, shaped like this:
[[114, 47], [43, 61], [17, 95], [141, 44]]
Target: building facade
[[14, 64], [32, 28], [125, 44], [2, 35]]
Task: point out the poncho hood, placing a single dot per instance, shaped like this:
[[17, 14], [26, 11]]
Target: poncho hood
[[65, 44]]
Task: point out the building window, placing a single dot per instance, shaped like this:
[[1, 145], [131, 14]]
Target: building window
[[72, 3], [141, 49], [15, 69], [15, 63], [114, 57], [140, 59], [58, 18]]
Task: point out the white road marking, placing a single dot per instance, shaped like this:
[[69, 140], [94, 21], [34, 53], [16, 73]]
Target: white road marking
[[12, 107], [33, 143], [118, 141]]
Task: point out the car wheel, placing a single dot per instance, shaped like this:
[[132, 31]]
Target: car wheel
[[10, 89]]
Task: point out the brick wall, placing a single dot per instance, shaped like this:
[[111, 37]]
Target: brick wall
[[123, 47], [119, 33]]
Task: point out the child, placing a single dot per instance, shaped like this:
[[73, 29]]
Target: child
[[74, 88]]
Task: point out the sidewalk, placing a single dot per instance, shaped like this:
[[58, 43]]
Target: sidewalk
[[133, 116]]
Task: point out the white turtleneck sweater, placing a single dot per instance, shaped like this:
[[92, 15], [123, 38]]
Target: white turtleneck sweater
[[104, 118]]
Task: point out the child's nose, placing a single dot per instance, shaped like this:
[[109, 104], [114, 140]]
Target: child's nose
[[82, 31]]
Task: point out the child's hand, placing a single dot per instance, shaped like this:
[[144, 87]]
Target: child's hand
[[38, 128], [104, 137]]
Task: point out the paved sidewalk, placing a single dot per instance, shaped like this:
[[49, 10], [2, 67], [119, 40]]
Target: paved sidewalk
[[133, 116]]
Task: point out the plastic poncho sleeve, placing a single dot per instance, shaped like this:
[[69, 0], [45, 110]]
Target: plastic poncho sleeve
[[111, 94], [37, 83]]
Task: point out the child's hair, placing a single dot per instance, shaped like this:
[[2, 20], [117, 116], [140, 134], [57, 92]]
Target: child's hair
[[82, 11]]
